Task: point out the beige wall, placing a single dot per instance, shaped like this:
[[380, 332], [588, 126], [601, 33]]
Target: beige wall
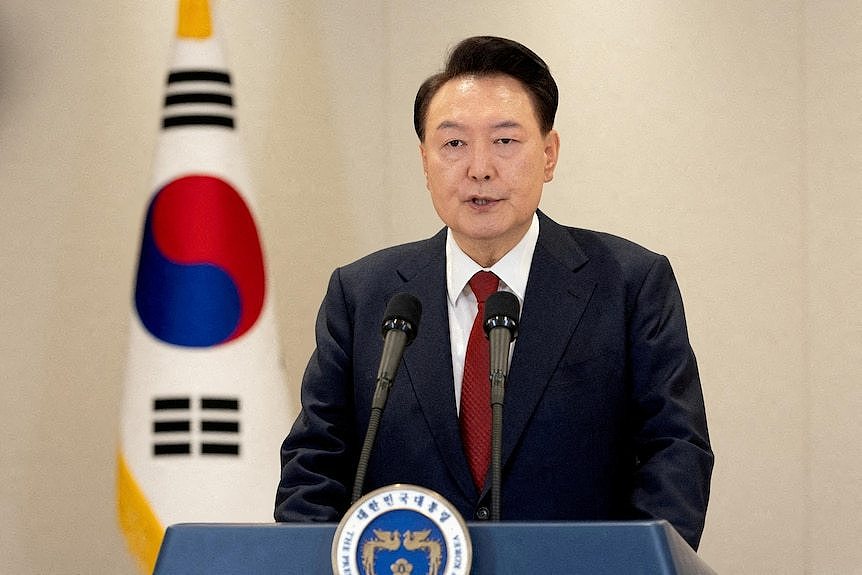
[[727, 135], [833, 234]]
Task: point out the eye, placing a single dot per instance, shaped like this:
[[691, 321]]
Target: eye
[[454, 144], [505, 140]]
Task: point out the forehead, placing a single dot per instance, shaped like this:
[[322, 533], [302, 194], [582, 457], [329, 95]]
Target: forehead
[[467, 100]]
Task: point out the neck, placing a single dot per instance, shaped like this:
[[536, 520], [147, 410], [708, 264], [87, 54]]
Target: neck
[[485, 253]]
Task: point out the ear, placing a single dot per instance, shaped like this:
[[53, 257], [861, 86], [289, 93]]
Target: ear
[[424, 154], [552, 154]]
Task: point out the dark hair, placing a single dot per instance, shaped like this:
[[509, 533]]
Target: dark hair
[[489, 56]]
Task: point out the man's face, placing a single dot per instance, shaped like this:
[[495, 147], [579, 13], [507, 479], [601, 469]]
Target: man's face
[[486, 161]]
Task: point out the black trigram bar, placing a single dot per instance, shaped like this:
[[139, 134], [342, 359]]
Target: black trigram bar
[[170, 403], [199, 76], [171, 426], [172, 449], [221, 403], [199, 98], [220, 426], [210, 448], [197, 120]]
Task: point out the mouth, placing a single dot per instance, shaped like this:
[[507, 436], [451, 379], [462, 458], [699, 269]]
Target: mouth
[[482, 201]]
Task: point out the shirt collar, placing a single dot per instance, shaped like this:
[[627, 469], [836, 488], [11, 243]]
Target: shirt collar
[[513, 269]]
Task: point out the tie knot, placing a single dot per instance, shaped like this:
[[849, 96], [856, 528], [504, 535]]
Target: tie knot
[[483, 285]]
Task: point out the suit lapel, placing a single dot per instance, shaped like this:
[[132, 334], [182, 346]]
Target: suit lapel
[[428, 361], [554, 302]]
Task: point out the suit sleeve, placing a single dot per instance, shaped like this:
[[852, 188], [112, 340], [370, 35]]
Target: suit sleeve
[[673, 455], [317, 457]]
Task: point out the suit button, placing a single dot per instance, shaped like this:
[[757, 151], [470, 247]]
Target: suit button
[[483, 513]]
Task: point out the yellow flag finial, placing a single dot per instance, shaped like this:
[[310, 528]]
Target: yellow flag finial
[[195, 21]]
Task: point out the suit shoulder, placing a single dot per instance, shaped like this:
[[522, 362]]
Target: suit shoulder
[[393, 264], [595, 243], [620, 257], [583, 244], [607, 249], [617, 261], [389, 257]]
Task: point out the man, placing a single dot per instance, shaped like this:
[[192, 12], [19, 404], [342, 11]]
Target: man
[[603, 417]]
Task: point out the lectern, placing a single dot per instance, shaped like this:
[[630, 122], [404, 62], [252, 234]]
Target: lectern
[[596, 548]]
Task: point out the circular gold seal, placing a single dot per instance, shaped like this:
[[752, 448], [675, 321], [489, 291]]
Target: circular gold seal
[[402, 529]]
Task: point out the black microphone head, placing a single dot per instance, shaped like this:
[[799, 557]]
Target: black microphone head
[[402, 313], [502, 310]]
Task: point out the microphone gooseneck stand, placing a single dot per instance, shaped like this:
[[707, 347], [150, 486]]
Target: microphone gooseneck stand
[[400, 325], [501, 326], [378, 403], [498, 390]]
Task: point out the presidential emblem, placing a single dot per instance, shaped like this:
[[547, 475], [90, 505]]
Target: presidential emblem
[[402, 530]]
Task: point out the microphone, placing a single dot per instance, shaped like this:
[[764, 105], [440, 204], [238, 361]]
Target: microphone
[[399, 328], [501, 327]]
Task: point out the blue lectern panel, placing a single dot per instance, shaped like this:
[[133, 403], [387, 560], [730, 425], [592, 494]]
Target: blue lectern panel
[[630, 548]]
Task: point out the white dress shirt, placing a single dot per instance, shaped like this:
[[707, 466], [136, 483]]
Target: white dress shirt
[[513, 270]]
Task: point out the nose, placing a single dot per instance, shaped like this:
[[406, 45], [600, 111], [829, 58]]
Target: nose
[[481, 166]]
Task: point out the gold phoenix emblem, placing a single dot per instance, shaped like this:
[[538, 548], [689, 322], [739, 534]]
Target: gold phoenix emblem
[[392, 541]]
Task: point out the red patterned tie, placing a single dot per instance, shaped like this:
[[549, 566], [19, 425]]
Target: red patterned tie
[[476, 385]]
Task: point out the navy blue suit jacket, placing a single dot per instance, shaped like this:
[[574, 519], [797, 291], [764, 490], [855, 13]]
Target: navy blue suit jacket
[[603, 417]]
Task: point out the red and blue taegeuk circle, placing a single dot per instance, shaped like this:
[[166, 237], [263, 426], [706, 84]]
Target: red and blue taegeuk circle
[[201, 279]]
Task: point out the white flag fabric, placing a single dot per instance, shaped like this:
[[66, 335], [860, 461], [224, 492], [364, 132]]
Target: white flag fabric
[[205, 401]]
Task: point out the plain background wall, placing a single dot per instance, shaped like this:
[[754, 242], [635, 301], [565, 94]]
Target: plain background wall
[[726, 135]]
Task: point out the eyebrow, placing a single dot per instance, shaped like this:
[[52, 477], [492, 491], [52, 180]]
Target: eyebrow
[[449, 124]]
